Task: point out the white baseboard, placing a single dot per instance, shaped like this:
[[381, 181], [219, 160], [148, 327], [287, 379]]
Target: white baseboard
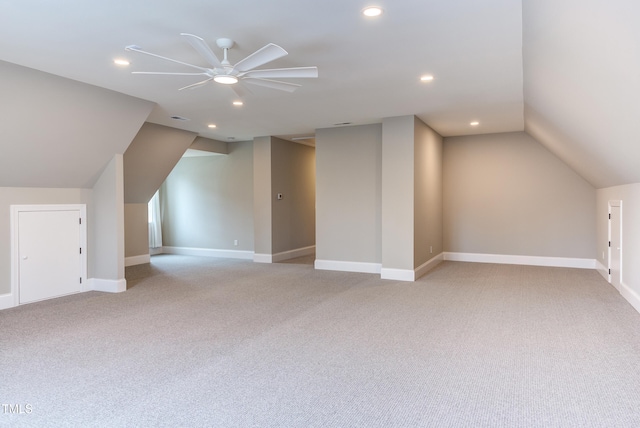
[[108, 285], [285, 255], [155, 251], [7, 301], [292, 254], [262, 258], [603, 271], [361, 267], [137, 260], [409, 274], [631, 296], [397, 274], [522, 260], [209, 252], [428, 265]]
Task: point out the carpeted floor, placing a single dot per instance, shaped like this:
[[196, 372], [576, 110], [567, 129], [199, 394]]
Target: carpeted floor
[[203, 342]]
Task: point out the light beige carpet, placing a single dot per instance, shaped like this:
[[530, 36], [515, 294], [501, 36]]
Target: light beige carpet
[[227, 343]]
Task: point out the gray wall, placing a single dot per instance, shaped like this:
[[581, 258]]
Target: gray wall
[[106, 224], [630, 197], [60, 133], [28, 196], [507, 194], [348, 193], [262, 196], [149, 159], [136, 230], [294, 175], [427, 193], [207, 202]]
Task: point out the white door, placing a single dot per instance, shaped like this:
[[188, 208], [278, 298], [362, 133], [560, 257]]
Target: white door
[[49, 262], [615, 250]]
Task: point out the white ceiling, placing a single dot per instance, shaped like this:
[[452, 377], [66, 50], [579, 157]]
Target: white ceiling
[[368, 68]]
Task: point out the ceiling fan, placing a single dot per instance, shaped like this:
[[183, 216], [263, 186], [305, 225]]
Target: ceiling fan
[[242, 72]]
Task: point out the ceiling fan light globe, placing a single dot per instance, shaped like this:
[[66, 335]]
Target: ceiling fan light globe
[[226, 79]]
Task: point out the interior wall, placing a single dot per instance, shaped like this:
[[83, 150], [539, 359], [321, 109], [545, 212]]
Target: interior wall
[[28, 196], [630, 197], [149, 159], [293, 175], [58, 132], [106, 224], [262, 196], [348, 193], [207, 201], [398, 205], [136, 230], [428, 226], [506, 194]]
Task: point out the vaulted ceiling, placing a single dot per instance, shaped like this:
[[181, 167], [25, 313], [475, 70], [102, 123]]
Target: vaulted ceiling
[[566, 71]]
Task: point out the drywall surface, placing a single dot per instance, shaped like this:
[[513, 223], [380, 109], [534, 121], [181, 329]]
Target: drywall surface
[[207, 202], [293, 172], [348, 193], [136, 230], [507, 194]]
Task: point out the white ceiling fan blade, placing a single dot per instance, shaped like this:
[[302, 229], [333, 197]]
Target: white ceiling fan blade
[[134, 48], [281, 73], [196, 85], [263, 55], [203, 49], [169, 73], [240, 90], [273, 84]]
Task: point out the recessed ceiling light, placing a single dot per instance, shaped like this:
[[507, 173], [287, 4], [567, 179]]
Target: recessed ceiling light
[[238, 103], [426, 78], [372, 11], [120, 61], [211, 125], [474, 123]]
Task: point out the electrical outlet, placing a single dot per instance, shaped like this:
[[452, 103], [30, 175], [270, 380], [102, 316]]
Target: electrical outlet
[[235, 242], [279, 196], [431, 249]]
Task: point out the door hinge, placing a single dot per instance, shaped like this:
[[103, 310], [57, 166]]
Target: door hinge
[[609, 244], [609, 271], [80, 220], [80, 250], [80, 280], [609, 216]]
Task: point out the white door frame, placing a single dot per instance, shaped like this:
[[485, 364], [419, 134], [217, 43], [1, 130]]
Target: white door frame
[[615, 203], [15, 256]]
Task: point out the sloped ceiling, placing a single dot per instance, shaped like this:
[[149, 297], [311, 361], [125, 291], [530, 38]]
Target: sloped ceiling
[[582, 85], [565, 71], [56, 132]]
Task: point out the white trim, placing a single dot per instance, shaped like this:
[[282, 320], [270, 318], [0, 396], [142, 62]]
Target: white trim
[[108, 285], [522, 260], [408, 274], [603, 271], [137, 260], [292, 254], [209, 252], [338, 265], [262, 258], [630, 295], [397, 274], [428, 265], [155, 251], [15, 262], [6, 301]]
